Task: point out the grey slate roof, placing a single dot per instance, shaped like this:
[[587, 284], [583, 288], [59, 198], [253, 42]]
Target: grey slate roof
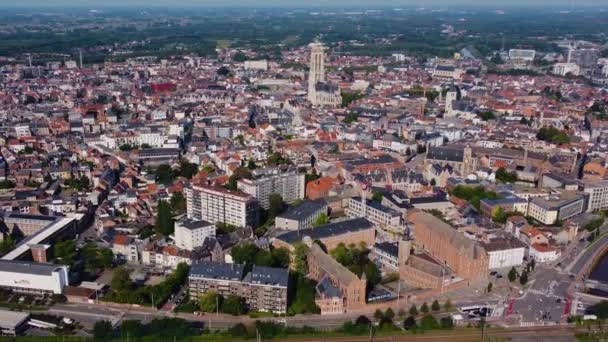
[[268, 276], [327, 230], [303, 210], [215, 270], [445, 154], [27, 267]]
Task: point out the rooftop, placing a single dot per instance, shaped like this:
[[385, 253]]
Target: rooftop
[[327, 230], [28, 267], [332, 267], [215, 270], [303, 210]]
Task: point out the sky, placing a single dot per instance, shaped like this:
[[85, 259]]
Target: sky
[[298, 3]]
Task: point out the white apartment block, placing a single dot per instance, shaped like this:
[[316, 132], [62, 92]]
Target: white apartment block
[[289, 184], [563, 69], [192, 234], [215, 204]]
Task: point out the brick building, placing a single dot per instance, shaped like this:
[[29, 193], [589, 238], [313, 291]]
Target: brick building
[[444, 243]]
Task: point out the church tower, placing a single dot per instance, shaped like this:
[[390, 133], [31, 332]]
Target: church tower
[[467, 160], [316, 72]]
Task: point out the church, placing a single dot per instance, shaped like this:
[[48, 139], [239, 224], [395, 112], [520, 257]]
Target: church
[[321, 93], [459, 158]]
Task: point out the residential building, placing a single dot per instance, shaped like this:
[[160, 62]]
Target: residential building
[[374, 211], [544, 253], [504, 252], [215, 204], [190, 234], [264, 288], [288, 183]]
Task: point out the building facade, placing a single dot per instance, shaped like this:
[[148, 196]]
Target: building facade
[[192, 234], [215, 204], [33, 277], [289, 184], [301, 217]]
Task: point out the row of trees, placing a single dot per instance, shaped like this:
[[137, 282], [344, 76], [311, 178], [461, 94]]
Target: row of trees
[[356, 259], [474, 194], [232, 304]]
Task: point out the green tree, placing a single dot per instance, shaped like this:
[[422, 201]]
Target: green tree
[[132, 328], [601, 310], [7, 245], [300, 252], [512, 274], [304, 295], [489, 288], [435, 305], [178, 203], [209, 301], [424, 308], [164, 174], [428, 322], [505, 176], [413, 310], [276, 205], [499, 215], [378, 314], [164, 219], [523, 278], [410, 323], [447, 306], [377, 196], [389, 314], [239, 57], [321, 220], [106, 257], [281, 257], [433, 182], [234, 305], [446, 322], [251, 164], [65, 251], [187, 169], [103, 331], [121, 281], [244, 253]]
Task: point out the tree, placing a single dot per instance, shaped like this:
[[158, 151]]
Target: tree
[[413, 310], [239, 57], [65, 251], [421, 149], [304, 295], [276, 205], [512, 274], [132, 328], [377, 196], [103, 331], [424, 308], [164, 174], [321, 220], [389, 314], [164, 219], [187, 169], [446, 322], [435, 305], [234, 305], [409, 323], [7, 245], [121, 281], [378, 314], [506, 177], [300, 252], [178, 203], [281, 257], [251, 164], [433, 182], [428, 322], [489, 288], [601, 309], [447, 306], [209, 301], [106, 257], [499, 215], [523, 278]]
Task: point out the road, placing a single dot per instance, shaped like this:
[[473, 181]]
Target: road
[[577, 266]]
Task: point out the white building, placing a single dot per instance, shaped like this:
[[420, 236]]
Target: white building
[[505, 252], [256, 65], [22, 131], [192, 234], [597, 191], [556, 207], [33, 277], [288, 183], [215, 204], [544, 253], [373, 211], [563, 69]]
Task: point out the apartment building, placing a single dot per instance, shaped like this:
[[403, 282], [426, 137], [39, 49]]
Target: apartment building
[[190, 234], [264, 288], [288, 183], [215, 204]]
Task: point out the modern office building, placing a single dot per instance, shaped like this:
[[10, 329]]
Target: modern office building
[[597, 191], [190, 234], [13, 322], [556, 207], [215, 204], [33, 277], [264, 288], [302, 216], [288, 183]]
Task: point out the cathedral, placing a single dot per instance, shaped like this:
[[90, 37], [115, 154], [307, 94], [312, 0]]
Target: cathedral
[[321, 93]]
